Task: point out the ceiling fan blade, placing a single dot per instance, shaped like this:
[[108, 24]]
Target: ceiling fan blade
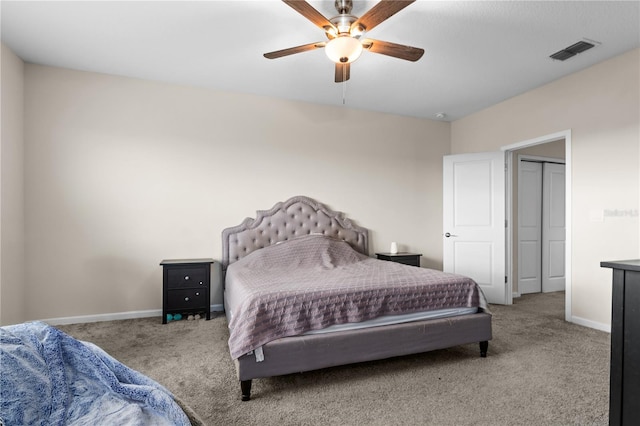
[[380, 12], [292, 50], [393, 49], [306, 10], [342, 72]]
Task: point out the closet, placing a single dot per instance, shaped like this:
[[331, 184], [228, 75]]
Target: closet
[[540, 225]]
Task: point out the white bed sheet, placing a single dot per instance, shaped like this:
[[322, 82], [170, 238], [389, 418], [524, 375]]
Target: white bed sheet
[[395, 319]]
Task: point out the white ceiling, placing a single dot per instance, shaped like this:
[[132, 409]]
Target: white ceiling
[[477, 53]]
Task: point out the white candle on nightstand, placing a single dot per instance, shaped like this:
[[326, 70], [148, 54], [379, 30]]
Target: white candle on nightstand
[[394, 248]]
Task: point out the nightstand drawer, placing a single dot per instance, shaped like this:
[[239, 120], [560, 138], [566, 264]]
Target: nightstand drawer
[[194, 276], [186, 299]]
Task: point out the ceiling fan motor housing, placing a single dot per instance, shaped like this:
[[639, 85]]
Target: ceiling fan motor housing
[[344, 6], [343, 24]]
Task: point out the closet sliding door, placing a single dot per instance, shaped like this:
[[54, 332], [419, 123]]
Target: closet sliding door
[[541, 227]]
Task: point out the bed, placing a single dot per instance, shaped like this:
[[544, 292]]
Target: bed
[[50, 378], [301, 293]]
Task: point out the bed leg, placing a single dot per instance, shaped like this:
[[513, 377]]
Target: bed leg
[[245, 386], [483, 348]]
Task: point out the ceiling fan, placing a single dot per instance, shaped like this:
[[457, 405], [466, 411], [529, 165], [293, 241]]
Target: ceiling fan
[[345, 33]]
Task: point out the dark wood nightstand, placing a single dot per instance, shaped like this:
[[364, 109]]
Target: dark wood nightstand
[[412, 259], [186, 286]]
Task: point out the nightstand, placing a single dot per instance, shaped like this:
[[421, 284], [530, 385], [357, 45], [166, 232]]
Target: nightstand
[[412, 259], [186, 286]]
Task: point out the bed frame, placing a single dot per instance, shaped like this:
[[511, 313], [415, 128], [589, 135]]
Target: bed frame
[[300, 216]]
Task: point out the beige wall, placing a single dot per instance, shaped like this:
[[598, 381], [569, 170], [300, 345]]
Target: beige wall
[[12, 261], [601, 106], [122, 173]]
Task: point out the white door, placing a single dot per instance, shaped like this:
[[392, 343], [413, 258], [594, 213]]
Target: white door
[[529, 227], [474, 221], [553, 228]]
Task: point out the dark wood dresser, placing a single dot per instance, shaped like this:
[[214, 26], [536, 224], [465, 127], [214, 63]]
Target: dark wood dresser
[[186, 287], [624, 408], [412, 259]]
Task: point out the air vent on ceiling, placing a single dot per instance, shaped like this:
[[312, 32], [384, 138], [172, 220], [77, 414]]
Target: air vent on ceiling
[[573, 50]]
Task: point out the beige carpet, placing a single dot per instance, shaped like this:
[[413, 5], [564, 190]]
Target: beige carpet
[[540, 370]]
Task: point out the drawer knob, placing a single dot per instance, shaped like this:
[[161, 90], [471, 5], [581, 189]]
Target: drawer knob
[[186, 299], [186, 277], [200, 282], [197, 294]]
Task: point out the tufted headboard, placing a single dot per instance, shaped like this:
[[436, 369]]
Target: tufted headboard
[[295, 217]]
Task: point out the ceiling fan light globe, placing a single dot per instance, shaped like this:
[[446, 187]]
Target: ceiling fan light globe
[[343, 49]]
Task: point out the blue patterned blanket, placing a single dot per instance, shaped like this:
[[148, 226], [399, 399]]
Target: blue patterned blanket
[[49, 378]]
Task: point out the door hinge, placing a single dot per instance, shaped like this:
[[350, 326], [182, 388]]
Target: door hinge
[[505, 279], [506, 223]]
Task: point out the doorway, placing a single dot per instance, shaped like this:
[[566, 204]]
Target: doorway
[[561, 144], [482, 171], [539, 224]]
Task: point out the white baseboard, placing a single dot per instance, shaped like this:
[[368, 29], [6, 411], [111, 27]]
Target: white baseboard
[[115, 316], [516, 294], [591, 324]]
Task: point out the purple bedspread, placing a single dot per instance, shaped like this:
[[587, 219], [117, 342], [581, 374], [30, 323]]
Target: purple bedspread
[[312, 282]]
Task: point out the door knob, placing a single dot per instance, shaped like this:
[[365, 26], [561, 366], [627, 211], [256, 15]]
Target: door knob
[[449, 235]]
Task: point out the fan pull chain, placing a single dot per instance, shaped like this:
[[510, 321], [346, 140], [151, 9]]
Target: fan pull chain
[[344, 85], [344, 92]]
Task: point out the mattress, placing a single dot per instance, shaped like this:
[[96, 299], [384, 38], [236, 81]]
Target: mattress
[[386, 320], [315, 282]]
